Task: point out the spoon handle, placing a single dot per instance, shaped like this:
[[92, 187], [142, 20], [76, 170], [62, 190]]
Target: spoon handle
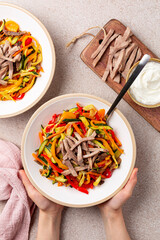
[[131, 79]]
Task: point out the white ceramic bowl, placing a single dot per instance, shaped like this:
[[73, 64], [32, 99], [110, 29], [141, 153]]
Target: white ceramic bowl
[[69, 196], [28, 22]]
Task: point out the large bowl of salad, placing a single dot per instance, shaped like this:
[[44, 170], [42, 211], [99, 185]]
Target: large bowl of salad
[[73, 156]]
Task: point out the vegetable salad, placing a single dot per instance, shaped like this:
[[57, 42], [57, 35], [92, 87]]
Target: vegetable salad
[[78, 149], [20, 61]]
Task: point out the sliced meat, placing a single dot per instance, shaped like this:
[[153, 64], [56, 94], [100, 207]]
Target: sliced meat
[[10, 33], [108, 68], [117, 78], [129, 62], [84, 146], [77, 169], [122, 44], [13, 50], [72, 138], [4, 64], [105, 40], [79, 155], [129, 50], [69, 154], [2, 82], [10, 70], [71, 168], [6, 58], [118, 63], [6, 46], [17, 58], [138, 56], [77, 136], [70, 142], [3, 71], [98, 58], [102, 156], [127, 34], [91, 154], [99, 149], [90, 162], [82, 140]]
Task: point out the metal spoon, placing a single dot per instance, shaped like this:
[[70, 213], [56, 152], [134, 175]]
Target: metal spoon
[[131, 79]]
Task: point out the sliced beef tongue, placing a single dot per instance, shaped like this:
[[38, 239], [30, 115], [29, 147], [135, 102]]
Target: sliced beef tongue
[[105, 40], [71, 168], [118, 63], [79, 155], [10, 33], [77, 169], [129, 62], [3, 71], [129, 50], [2, 82], [138, 56], [69, 153], [99, 56]]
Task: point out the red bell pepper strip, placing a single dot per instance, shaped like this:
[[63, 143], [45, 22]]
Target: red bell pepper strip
[[61, 124], [81, 189], [79, 110], [53, 119], [19, 97], [97, 117], [49, 127], [89, 185], [83, 128], [28, 41], [53, 166]]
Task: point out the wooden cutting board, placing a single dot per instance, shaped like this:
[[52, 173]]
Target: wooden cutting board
[[151, 115]]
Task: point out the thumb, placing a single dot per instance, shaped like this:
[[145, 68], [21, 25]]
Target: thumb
[[131, 183]]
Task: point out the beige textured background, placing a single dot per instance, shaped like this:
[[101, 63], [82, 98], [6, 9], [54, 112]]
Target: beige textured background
[[64, 20]]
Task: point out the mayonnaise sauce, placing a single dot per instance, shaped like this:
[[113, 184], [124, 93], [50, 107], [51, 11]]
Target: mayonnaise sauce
[[146, 88]]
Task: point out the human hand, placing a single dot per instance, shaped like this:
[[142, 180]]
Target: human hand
[[115, 204], [45, 205]]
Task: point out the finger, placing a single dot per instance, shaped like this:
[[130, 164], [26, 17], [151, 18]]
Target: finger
[[28, 186], [132, 182]]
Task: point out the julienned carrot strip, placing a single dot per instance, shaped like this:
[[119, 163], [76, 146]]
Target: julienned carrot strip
[[104, 162], [58, 161], [97, 174], [55, 134], [118, 141], [106, 145], [39, 160], [111, 139], [41, 137], [78, 130], [22, 49]]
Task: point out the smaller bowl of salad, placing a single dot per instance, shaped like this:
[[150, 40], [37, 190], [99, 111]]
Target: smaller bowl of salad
[[25, 72], [72, 155]]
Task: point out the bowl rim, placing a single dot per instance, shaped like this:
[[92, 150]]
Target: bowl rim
[[62, 97], [53, 59], [131, 96]]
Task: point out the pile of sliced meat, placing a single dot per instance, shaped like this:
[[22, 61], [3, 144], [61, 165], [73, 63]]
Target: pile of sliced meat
[[122, 54], [77, 155], [7, 60]]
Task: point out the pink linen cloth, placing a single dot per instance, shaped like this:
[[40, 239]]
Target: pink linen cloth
[[16, 215]]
